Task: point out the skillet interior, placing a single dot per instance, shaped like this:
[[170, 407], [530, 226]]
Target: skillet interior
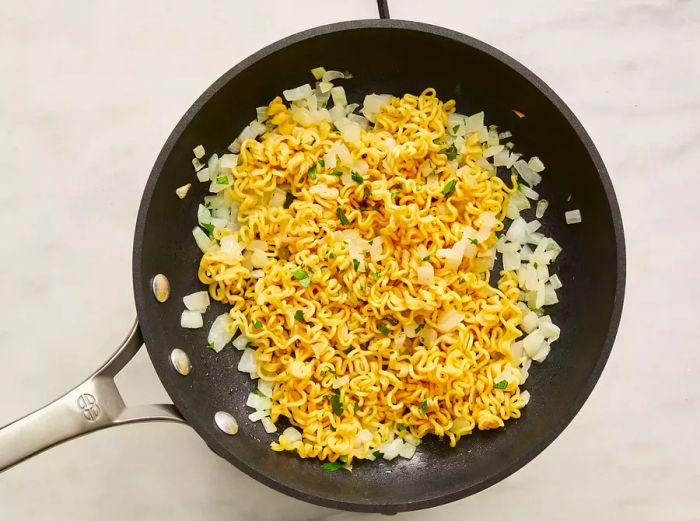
[[393, 57]]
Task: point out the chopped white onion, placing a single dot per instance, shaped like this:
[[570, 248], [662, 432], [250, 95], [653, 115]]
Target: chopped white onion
[[318, 72], [332, 76], [426, 274], [248, 363], [392, 449], [511, 261], [529, 176], [529, 192], [297, 93], [407, 451], [373, 103], [203, 175], [535, 164], [541, 208], [555, 282], [341, 381], [573, 217], [542, 353], [196, 164], [532, 343], [241, 342], [258, 415], [191, 319], [493, 150], [549, 331], [294, 435], [219, 334], [198, 151], [259, 403], [338, 95], [268, 425], [530, 322], [525, 397], [266, 387], [448, 320], [182, 191], [202, 239], [198, 301], [474, 123], [517, 231]]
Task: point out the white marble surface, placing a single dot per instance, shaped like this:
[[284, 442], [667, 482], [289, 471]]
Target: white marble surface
[[90, 90]]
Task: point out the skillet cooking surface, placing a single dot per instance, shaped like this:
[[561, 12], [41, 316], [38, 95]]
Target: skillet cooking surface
[[388, 57]]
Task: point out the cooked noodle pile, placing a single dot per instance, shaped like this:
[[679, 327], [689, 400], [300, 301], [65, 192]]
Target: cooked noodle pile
[[359, 272]]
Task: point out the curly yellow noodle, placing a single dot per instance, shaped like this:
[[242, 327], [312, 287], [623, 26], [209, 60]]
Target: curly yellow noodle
[[400, 385]]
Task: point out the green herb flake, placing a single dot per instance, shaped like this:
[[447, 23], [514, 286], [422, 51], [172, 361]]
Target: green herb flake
[[474, 241], [376, 275], [257, 324], [331, 255], [222, 180], [332, 371], [501, 385], [424, 407], [370, 242], [451, 152], [436, 141], [455, 129], [426, 258], [357, 406], [355, 264], [300, 274], [458, 89], [336, 405], [256, 392], [209, 228], [343, 458], [461, 280], [210, 345], [357, 178], [341, 215], [299, 315], [384, 330], [376, 454], [332, 466], [321, 163], [312, 173], [403, 427], [419, 327], [395, 195], [449, 188], [337, 173]]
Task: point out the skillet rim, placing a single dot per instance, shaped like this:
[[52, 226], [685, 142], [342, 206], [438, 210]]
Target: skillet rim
[[194, 419]]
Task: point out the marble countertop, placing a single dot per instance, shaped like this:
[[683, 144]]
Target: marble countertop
[[90, 90]]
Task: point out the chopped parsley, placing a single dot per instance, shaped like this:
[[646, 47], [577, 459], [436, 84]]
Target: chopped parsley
[[222, 180], [332, 466], [461, 280], [336, 405], [424, 407], [331, 255], [312, 173], [436, 141], [357, 178], [449, 187], [394, 195], [455, 129], [305, 283], [210, 345], [474, 241], [451, 152], [376, 275], [321, 163], [337, 173], [209, 228], [384, 330], [299, 315], [256, 392], [370, 242], [332, 371], [426, 258], [355, 264], [403, 427], [376, 454], [257, 324], [357, 406], [501, 385], [300, 274], [419, 327], [341, 215]]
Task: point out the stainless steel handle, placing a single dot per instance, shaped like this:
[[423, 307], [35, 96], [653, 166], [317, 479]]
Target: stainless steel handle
[[94, 404]]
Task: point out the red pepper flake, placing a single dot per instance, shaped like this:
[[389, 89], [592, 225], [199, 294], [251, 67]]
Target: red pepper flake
[[518, 113]]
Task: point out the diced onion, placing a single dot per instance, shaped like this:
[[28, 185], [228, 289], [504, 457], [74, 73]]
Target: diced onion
[[492, 151], [541, 208], [549, 331], [294, 435], [542, 353], [340, 382], [525, 397], [517, 231], [529, 192], [555, 282], [532, 343], [426, 274], [182, 191], [338, 95], [203, 175], [219, 334], [407, 451], [332, 76], [266, 387], [448, 320], [248, 363], [318, 72], [191, 319], [201, 238], [259, 259], [298, 93], [373, 103], [198, 301], [573, 217], [258, 415], [241, 342], [259, 403], [529, 176], [268, 425], [530, 322], [511, 261], [535, 164], [516, 351], [392, 449], [198, 151], [230, 246]]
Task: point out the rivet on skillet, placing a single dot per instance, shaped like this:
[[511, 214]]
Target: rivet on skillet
[[161, 287], [226, 422], [181, 362]]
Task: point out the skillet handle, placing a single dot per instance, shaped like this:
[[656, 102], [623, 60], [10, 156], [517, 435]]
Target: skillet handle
[[93, 405]]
